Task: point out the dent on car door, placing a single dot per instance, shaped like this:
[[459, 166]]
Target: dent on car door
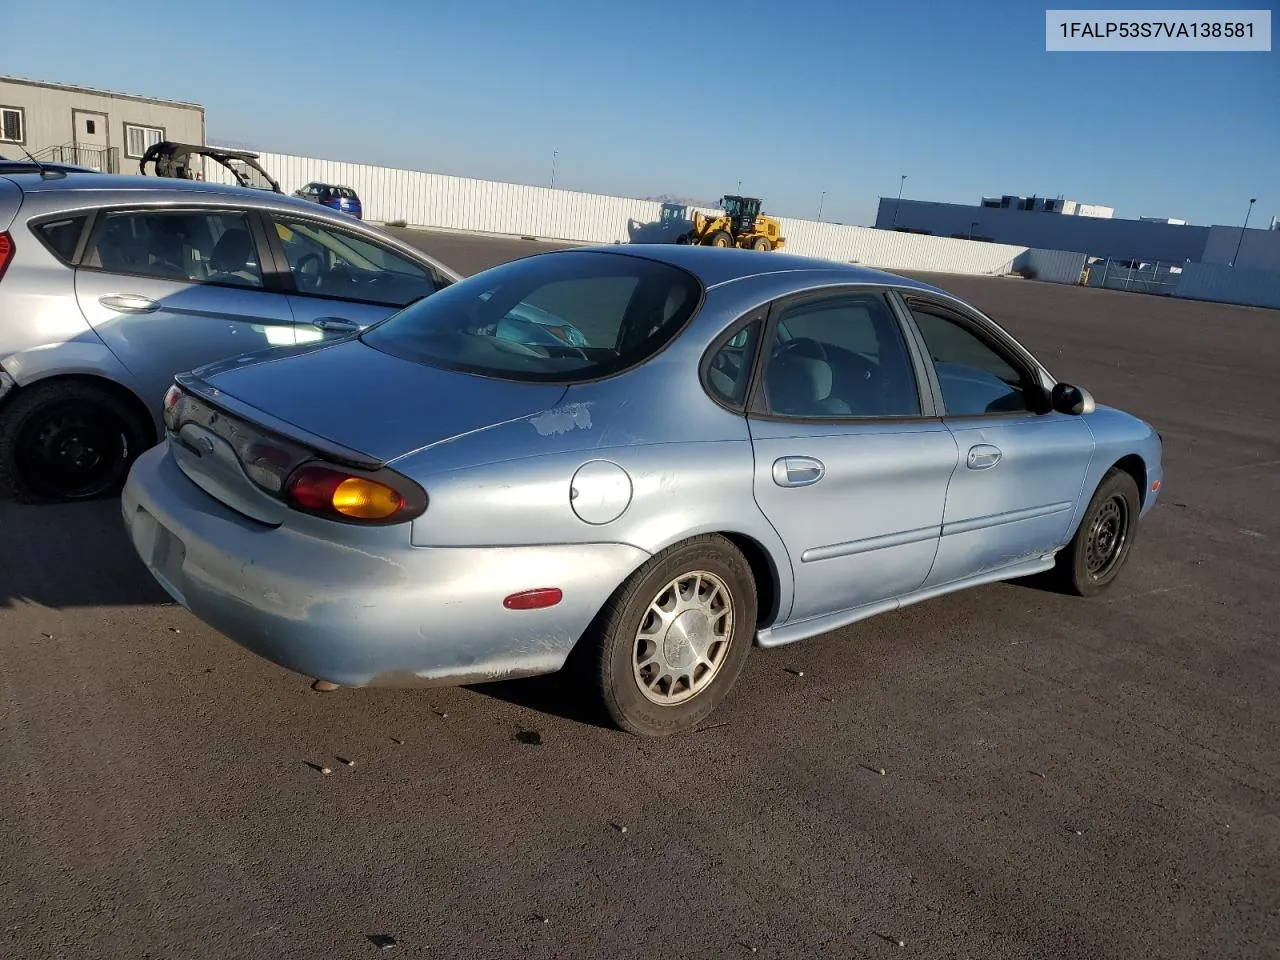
[[344, 282], [170, 290], [1021, 465], [849, 468]]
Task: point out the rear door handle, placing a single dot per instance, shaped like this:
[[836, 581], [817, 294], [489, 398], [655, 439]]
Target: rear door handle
[[129, 303], [336, 324], [797, 471], [982, 456]]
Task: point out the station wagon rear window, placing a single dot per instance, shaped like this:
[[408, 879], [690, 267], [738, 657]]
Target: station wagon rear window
[[560, 317]]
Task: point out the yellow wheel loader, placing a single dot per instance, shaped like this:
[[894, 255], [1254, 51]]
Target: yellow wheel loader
[[741, 225]]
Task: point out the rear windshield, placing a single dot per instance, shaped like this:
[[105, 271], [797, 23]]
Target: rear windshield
[[557, 317]]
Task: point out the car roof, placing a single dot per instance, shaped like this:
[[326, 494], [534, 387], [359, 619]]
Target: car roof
[[155, 188], [34, 183], [30, 166], [717, 265]]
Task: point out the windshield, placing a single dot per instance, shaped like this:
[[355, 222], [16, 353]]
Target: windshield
[[554, 317]]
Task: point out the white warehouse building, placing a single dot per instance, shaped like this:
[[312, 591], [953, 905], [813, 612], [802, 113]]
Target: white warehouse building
[[1104, 236], [1068, 208]]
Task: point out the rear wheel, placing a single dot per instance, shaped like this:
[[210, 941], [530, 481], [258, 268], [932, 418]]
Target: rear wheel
[[721, 238], [762, 244], [1092, 561], [671, 642], [67, 440]]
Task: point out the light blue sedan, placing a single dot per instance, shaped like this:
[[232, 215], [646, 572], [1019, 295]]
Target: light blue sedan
[[743, 450]]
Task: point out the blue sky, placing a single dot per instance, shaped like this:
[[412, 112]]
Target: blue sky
[[688, 98]]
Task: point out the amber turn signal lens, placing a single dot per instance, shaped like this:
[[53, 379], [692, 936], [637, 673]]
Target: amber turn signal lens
[[365, 499], [323, 489]]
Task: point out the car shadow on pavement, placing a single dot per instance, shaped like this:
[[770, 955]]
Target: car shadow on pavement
[[71, 555], [553, 694], [1046, 582]]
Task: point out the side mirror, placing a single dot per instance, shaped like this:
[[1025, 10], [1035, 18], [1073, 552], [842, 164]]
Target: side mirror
[[1070, 399]]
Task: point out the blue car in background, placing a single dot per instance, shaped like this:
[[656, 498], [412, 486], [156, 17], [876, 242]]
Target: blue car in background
[[342, 199]]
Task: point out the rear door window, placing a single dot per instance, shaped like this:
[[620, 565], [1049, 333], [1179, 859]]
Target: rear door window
[[187, 246], [839, 356]]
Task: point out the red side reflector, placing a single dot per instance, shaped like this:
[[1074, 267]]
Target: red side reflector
[[534, 599], [1155, 486]]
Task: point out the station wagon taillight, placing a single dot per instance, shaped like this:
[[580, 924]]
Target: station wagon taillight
[[6, 252]]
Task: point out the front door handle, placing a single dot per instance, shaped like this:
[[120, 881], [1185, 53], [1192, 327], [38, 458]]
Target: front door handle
[[129, 303], [983, 456], [797, 471], [336, 324]]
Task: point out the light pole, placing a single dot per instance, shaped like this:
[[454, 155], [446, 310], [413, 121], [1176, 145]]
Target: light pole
[[739, 186], [971, 226], [1252, 201], [901, 180], [821, 200], [554, 154]]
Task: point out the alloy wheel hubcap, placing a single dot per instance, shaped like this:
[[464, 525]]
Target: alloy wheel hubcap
[[683, 638]]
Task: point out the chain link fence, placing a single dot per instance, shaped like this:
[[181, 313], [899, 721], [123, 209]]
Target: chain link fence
[[1138, 276]]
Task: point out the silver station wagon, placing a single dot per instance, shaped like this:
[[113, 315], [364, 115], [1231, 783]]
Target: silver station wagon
[[734, 449]]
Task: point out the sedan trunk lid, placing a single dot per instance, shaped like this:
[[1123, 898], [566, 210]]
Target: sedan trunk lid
[[371, 402]]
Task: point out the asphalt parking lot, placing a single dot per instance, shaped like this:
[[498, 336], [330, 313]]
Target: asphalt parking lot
[[1061, 777]]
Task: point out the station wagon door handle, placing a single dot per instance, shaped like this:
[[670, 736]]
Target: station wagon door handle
[[129, 303], [336, 324], [797, 471], [982, 456]]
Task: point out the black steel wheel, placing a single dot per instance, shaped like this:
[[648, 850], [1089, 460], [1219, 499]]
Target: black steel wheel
[[68, 440], [1107, 535], [1093, 559]]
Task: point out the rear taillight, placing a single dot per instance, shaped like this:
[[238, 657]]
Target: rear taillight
[[339, 493], [6, 252]]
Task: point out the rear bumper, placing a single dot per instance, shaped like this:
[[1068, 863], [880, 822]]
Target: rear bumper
[[401, 616]]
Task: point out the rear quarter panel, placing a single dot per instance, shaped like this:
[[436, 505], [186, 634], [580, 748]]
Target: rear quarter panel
[[43, 332], [688, 468], [10, 202]]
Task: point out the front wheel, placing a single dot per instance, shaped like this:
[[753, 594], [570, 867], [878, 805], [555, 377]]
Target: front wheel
[[721, 238], [1092, 561], [671, 642], [67, 440]]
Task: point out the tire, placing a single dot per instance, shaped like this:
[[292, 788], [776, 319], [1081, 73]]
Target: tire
[[66, 440], [704, 574], [721, 238], [1092, 561], [762, 244]]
